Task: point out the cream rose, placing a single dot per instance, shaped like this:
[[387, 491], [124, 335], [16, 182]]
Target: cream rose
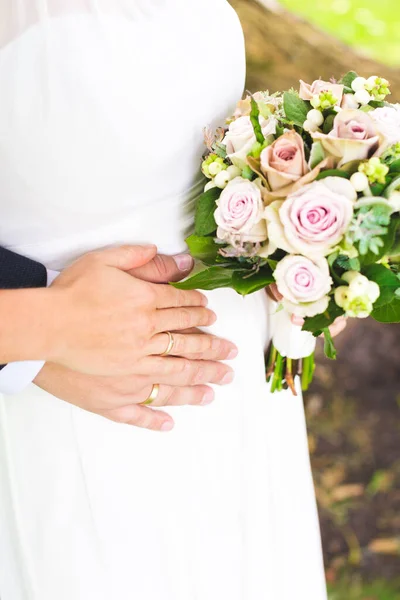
[[312, 220], [240, 138], [304, 285], [240, 213], [307, 91], [387, 119], [354, 136], [284, 161]]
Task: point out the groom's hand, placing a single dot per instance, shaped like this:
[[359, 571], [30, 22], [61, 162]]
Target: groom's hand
[[104, 320], [182, 376]]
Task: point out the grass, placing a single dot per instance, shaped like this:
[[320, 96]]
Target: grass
[[378, 590], [369, 25]]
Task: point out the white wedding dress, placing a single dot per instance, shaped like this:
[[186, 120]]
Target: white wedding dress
[[102, 105]]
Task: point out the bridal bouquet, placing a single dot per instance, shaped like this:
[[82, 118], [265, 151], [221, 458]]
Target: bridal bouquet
[[304, 194]]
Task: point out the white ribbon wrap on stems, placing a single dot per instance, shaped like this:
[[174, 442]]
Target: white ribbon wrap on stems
[[289, 339]]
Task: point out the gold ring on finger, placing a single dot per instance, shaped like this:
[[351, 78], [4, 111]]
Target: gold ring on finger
[[171, 344], [155, 390]]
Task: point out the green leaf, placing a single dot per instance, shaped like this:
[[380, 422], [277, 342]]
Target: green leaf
[[206, 205], [203, 248], [392, 187], [209, 279], [317, 154], [377, 188], [389, 313], [248, 173], [386, 280], [333, 173], [317, 324], [296, 109], [348, 264], [329, 345], [255, 121], [388, 246], [328, 124], [395, 166], [348, 79], [245, 284]]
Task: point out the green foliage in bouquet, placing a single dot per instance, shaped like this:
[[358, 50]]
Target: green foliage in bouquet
[[304, 190]]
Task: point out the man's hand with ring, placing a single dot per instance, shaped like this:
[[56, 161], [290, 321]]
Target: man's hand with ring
[[182, 375]]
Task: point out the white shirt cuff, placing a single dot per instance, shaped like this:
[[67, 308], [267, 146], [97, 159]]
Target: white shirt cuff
[[16, 376]]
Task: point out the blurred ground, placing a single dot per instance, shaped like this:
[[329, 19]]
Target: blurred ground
[[353, 408], [353, 412]]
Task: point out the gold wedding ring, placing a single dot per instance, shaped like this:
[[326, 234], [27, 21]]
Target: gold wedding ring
[[155, 390], [171, 343]]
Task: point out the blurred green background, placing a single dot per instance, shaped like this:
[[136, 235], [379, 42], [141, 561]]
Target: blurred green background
[[371, 26], [353, 407]]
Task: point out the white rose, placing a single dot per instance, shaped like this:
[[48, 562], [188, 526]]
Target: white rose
[[239, 213], [304, 285], [240, 138], [387, 119]]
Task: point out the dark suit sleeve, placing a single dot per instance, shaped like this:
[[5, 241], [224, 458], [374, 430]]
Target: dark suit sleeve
[[17, 272]]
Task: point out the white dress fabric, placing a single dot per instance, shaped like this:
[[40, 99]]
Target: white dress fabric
[[102, 105]]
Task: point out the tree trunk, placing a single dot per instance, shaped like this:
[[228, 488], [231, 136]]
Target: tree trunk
[[283, 48]]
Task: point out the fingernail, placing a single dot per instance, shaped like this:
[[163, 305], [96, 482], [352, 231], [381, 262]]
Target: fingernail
[[233, 354], [184, 262], [167, 426], [228, 378], [208, 398]]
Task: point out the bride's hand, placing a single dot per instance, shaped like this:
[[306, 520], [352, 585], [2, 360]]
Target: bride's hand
[[119, 398]]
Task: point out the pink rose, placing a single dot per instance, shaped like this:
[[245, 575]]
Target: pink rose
[[240, 213], [307, 91], [304, 285], [314, 219], [354, 136], [284, 160], [240, 138]]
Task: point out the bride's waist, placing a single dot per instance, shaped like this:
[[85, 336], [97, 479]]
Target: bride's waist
[[57, 247]]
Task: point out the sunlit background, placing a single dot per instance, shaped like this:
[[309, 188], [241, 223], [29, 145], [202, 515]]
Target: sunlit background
[[353, 408], [371, 26]]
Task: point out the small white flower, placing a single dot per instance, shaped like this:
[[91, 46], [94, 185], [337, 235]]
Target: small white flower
[[215, 168], [341, 295], [358, 84], [359, 181], [316, 117], [222, 179], [358, 284], [362, 96], [371, 81], [233, 171], [310, 126]]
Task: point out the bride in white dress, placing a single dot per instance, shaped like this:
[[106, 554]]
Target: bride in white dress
[[102, 105]]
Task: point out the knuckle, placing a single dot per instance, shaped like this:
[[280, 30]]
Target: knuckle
[[185, 318], [199, 374], [147, 325], [161, 267], [168, 396], [148, 294], [180, 344]]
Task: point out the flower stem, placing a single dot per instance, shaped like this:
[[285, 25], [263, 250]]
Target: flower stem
[[308, 372], [278, 374], [289, 376], [271, 362]]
